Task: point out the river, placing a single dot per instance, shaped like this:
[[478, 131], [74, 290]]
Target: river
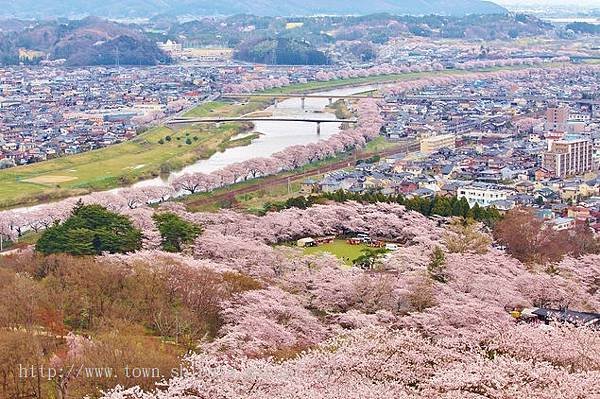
[[275, 135]]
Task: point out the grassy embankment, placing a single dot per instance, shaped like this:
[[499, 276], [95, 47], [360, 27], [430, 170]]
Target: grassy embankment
[[155, 151], [223, 108], [334, 84]]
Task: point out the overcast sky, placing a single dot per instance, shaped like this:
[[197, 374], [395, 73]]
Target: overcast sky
[[524, 3]]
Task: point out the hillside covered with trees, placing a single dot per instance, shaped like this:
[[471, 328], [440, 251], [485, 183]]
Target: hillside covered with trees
[[256, 316], [282, 51], [91, 41]]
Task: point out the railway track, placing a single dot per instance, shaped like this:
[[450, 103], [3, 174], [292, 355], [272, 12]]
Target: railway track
[[279, 180]]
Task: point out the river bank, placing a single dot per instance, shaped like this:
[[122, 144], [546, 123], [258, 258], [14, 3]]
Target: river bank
[[159, 150]]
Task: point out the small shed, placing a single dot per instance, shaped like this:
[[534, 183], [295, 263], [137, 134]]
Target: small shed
[[391, 246], [306, 242]]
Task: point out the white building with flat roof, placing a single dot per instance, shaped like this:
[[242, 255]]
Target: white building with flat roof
[[170, 47], [483, 194]]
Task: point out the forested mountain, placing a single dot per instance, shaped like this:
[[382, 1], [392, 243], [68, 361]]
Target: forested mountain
[[90, 41], [282, 51]]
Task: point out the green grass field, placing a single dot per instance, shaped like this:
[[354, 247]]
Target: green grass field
[[340, 248], [117, 165], [222, 108], [332, 84]]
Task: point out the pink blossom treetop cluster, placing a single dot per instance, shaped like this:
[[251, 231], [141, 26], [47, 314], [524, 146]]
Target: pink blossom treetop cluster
[[375, 363], [253, 85], [533, 74], [480, 64], [389, 221], [311, 324], [390, 333], [360, 334], [13, 223]]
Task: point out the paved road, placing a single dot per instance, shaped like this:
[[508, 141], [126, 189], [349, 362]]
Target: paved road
[[303, 95], [258, 118]]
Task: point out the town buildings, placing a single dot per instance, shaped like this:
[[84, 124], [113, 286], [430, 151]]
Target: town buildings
[[53, 111], [538, 147]]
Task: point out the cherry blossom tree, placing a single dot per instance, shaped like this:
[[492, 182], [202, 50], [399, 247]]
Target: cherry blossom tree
[[263, 322], [191, 182]]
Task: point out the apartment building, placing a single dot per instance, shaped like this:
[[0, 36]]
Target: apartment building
[[431, 144], [571, 155], [556, 119], [483, 194]]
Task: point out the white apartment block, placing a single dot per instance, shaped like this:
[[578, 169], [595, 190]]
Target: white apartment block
[[483, 194], [435, 143]]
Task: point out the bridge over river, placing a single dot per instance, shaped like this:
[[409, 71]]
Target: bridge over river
[[302, 97], [317, 121]]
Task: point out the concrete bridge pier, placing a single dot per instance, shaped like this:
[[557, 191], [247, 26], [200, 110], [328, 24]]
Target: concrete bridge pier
[[319, 128], [330, 101], [303, 102], [276, 103]]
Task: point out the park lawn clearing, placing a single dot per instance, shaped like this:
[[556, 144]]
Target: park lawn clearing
[[339, 248], [207, 109], [379, 144]]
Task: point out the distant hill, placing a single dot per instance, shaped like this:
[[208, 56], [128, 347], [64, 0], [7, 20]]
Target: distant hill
[[145, 8], [90, 41], [282, 51]]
